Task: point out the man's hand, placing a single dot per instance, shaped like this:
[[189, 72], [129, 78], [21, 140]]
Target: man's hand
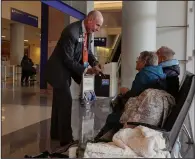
[[90, 71], [101, 66], [98, 68]]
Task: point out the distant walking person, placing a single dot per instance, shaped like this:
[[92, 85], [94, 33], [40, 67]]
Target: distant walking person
[[70, 58], [26, 65]]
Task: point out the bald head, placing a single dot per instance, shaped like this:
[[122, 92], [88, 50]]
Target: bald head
[[95, 15], [93, 21]]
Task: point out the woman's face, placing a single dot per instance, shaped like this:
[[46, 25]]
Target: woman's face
[[140, 64]]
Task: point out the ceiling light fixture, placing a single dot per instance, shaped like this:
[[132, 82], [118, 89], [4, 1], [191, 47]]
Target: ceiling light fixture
[[26, 40], [101, 2]]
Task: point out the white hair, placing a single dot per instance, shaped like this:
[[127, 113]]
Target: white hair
[[150, 58]]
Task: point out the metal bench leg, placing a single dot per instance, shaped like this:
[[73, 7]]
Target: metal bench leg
[[190, 141]]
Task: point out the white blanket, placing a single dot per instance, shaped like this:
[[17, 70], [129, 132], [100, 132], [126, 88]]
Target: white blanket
[[140, 142]]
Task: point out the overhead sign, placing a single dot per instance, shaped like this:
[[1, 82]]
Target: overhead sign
[[23, 17], [99, 41]]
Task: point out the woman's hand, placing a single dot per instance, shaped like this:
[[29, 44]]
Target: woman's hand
[[128, 126], [124, 90]]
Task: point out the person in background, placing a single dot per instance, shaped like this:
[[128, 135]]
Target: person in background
[[26, 65], [170, 68], [70, 59]]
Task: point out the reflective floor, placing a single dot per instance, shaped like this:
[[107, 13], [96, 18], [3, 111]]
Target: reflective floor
[[26, 121], [25, 118]]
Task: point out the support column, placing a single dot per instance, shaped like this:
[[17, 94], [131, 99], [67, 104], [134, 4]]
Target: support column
[[44, 43], [138, 34], [16, 43], [190, 56]]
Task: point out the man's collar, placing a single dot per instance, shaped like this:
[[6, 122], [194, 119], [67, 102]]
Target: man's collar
[[169, 63], [83, 27]]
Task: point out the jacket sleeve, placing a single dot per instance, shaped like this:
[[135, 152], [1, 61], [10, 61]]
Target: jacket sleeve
[[136, 89], [138, 84], [91, 59], [68, 46]]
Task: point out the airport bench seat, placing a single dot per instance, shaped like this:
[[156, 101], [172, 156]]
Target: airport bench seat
[[175, 122]]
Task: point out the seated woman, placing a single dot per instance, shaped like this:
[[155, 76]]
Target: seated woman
[[150, 75]]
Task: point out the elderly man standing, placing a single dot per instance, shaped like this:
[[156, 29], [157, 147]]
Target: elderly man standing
[[70, 58]]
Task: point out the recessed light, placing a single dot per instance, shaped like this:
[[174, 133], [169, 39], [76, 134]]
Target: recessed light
[[26, 40]]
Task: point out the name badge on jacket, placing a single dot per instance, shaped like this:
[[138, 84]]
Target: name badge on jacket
[[81, 39]]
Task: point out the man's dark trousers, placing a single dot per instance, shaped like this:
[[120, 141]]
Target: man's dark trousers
[[61, 114]]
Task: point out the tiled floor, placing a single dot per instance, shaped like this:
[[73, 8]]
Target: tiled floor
[[26, 121], [20, 116]]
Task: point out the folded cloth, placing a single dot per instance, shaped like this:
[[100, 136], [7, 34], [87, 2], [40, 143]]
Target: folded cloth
[[139, 142]]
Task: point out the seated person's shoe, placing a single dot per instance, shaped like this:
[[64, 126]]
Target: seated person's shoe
[[73, 142], [64, 146]]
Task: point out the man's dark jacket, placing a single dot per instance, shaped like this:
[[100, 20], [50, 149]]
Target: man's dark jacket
[[172, 70], [66, 59]]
